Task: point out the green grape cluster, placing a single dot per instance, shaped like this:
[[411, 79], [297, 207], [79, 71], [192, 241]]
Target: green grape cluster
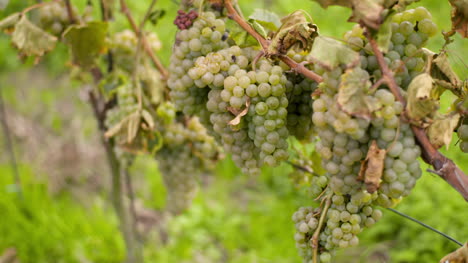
[[250, 109], [463, 136], [345, 138], [126, 105], [206, 35], [54, 17], [187, 153], [124, 46]]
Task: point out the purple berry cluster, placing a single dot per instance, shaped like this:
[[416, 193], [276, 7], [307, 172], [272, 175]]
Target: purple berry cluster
[[184, 20]]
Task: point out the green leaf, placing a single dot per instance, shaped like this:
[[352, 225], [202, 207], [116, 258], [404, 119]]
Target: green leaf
[[422, 102], [460, 16], [267, 19], [441, 130], [86, 42], [258, 27], [239, 35], [10, 21], [331, 53], [317, 163], [353, 93], [32, 40]]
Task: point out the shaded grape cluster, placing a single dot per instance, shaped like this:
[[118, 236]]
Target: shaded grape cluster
[[185, 20]]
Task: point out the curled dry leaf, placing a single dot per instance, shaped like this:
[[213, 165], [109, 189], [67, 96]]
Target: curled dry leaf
[[30, 39], [353, 94], [440, 131], [372, 167], [458, 256], [239, 113], [295, 32], [460, 16], [422, 98]]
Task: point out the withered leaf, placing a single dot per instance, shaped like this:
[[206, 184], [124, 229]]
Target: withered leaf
[[372, 167], [10, 21], [460, 16], [331, 53], [239, 114], [30, 39], [422, 98], [295, 32], [443, 73], [134, 120], [148, 119], [441, 129], [458, 256], [353, 94]]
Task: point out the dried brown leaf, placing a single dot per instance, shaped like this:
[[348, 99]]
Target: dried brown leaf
[[372, 167], [441, 130], [460, 16], [458, 256], [238, 113]]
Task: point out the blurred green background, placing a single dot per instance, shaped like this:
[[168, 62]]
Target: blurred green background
[[65, 214]]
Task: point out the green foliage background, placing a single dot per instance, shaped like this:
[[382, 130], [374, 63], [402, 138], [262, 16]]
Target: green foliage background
[[234, 218]]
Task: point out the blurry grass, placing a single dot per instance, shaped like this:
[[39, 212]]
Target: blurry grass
[[47, 230]]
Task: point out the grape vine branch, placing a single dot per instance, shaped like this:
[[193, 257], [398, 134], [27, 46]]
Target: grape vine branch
[[445, 167], [297, 67]]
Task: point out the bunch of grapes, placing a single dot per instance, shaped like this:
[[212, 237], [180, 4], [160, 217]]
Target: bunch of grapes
[[187, 153], [124, 46], [463, 136], [345, 138], [250, 109], [54, 17]]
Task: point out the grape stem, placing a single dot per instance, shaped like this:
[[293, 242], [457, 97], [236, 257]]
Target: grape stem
[[444, 166], [315, 237], [71, 16], [126, 11], [264, 43]]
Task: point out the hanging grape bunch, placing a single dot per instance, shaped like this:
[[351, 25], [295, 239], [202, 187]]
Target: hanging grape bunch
[[246, 107], [463, 136], [356, 137], [54, 17]]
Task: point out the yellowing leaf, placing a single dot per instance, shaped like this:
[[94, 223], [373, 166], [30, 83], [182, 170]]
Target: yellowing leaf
[[148, 119], [32, 40], [9, 21], [460, 16], [353, 95], [422, 102], [86, 42], [133, 125], [332, 53], [384, 35], [372, 167], [458, 256], [440, 131]]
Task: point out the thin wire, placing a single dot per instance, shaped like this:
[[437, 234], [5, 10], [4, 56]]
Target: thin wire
[[426, 226]]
